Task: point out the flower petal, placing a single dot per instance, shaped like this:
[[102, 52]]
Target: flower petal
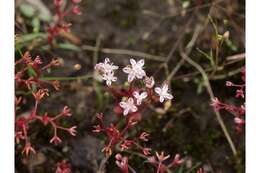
[[168, 96], [134, 109], [131, 77], [122, 104], [158, 90], [136, 94], [161, 99], [133, 62], [125, 111], [165, 87], [140, 63]]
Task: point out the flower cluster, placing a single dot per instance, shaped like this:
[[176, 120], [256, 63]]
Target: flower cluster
[[237, 111], [60, 24], [32, 86], [130, 102]]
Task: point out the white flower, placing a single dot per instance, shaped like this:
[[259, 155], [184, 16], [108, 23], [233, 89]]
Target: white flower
[[106, 67], [139, 97], [135, 70], [109, 78], [163, 93], [106, 70], [128, 106], [149, 81]]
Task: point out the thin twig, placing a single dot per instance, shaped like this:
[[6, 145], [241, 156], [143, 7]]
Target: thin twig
[[236, 57], [62, 78]]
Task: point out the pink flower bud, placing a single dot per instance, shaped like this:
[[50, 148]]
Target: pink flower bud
[[144, 136], [97, 129], [28, 149], [126, 144], [76, 10], [161, 156], [72, 130], [66, 111], [216, 104], [40, 94], [177, 160], [55, 140]]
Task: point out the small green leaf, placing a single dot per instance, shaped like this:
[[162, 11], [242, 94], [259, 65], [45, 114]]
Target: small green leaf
[[68, 46], [45, 18], [27, 10], [36, 25]]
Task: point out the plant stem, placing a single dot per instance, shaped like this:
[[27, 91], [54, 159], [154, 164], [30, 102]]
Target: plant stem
[[66, 78]]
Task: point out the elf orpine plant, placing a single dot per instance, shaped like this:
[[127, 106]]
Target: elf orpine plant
[[237, 110], [130, 102], [38, 90], [61, 12]]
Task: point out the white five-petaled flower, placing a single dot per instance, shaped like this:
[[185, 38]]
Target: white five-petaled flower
[[135, 70], [163, 92], [109, 78], [106, 67], [106, 70], [128, 106], [139, 97]]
